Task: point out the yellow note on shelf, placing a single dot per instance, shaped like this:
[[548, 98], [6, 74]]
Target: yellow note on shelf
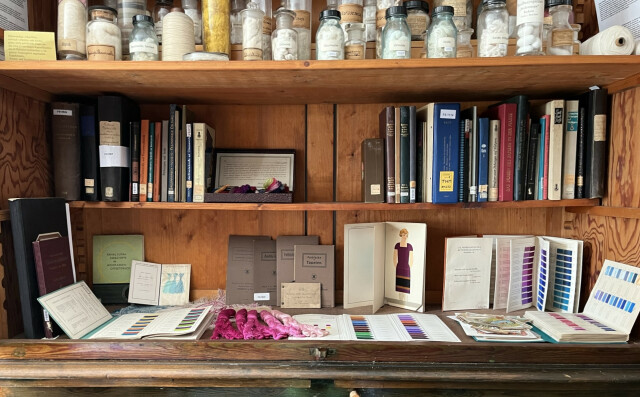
[[29, 46]]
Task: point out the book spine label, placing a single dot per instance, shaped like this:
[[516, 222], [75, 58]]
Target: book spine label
[[387, 132], [189, 164], [494, 159], [404, 154]]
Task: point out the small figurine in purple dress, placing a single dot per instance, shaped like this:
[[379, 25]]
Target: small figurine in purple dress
[[403, 260]]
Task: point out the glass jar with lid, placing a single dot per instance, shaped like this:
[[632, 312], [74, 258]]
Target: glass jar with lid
[[530, 20], [369, 19], [284, 39], [560, 37], [237, 6], [192, 10], [127, 9], [103, 39], [493, 29], [161, 8], [266, 7], [396, 35], [351, 11], [462, 11], [143, 42], [329, 37], [302, 25], [417, 18], [252, 20], [442, 34], [72, 22], [356, 46], [381, 20], [464, 49]]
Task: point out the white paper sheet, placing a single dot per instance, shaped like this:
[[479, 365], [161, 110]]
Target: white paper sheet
[[467, 273], [619, 12], [326, 322], [14, 15]]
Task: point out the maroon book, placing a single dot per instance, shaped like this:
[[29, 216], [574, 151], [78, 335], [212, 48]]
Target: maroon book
[[506, 113], [54, 269]]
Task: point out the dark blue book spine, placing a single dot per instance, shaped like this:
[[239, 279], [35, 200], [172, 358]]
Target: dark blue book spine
[[189, 157], [483, 159], [404, 154], [446, 154]]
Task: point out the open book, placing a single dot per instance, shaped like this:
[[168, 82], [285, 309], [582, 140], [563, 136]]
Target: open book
[[609, 314], [81, 316]]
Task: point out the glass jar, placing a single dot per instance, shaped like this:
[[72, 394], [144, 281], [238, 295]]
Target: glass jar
[[265, 6], [493, 29], [464, 49], [396, 35], [369, 19], [162, 8], [104, 42], [356, 46], [284, 39], [72, 22], [237, 6], [193, 11], [216, 25], [529, 27], [329, 37], [351, 11], [560, 38], [143, 42], [127, 9], [442, 34], [252, 20], [381, 20], [417, 18], [302, 25], [332, 4], [462, 11]]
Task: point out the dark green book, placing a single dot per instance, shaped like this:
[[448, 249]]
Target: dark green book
[[405, 158], [413, 177], [152, 150]]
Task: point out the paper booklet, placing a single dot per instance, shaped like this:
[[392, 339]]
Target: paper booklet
[[397, 327], [81, 316], [609, 314], [384, 262], [527, 271], [158, 284]]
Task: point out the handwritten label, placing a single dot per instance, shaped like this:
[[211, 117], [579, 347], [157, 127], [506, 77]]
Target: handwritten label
[[300, 296]]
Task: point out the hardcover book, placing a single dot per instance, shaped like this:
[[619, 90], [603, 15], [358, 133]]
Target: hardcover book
[[555, 110], [265, 272], [610, 312], [580, 150], [174, 150], [398, 149], [520, 144], [89, 146], [164, 161], [157, 167], [570, 147], [470, 117], [82, 316], [316, 264], [159, 284], [506, 113], [384, 263], [388, 133], [189, 164], [285, 258], [134, 192], [412, 154], [425, 117], [31, 217], [54, 269], [240, 269], [112, 258], [65, 132], [446, 121], [114, 115], [595, 143], [144, 158], [463, 162], [494, 159], [483, 159], [203, 141], [532, 161], [404, 154], [373, 170], [151, 161]]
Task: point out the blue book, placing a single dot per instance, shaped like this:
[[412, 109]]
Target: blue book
[[174, 121], [446, 145], [189, 157], [483, 159], [543, 125]]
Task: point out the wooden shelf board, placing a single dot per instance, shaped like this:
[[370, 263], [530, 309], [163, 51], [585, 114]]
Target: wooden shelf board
[[616, 212], [331, 206], [304, 82]]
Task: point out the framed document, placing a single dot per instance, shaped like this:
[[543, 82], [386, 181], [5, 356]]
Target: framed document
[[253, 167]]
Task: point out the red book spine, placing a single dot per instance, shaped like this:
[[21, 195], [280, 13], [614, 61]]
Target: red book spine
[[547, 137], [506, 113], [144, 158]]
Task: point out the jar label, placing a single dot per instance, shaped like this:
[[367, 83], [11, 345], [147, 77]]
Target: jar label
[[158, 28], [330, 46], [252, 54], [101, 53], [69, 45], [400, 45], [447, 44], [462, 52], [102, 14], [355, 51], [530, 11], [380, 19], [350, 13], [417, 24], [548, 20], [561, 37], [496, 38], [302, 19], [459, 7], [266, 25], [143, 46]]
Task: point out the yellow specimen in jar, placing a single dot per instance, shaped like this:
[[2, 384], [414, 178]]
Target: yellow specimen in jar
[[216, 26]]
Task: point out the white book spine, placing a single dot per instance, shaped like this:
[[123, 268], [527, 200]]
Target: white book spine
[[570, 143], [199, 139], [555, 109]]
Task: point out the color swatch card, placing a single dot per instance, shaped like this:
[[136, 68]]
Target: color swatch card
[[609, 314], [326, 322], [398, 327], [521, 270], [565, 274]]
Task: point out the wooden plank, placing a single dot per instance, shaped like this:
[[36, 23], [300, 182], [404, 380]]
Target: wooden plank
[[624, 162], [268, 82], [617, 212]]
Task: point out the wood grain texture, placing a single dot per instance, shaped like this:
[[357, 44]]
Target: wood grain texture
[[43, 15], [295, 82], [4, 334], [624, 150]]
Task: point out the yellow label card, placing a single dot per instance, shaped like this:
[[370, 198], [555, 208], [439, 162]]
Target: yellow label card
[[446, 181], [29, 46]]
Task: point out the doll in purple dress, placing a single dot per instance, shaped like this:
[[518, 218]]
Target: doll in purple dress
[[403, 260]]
